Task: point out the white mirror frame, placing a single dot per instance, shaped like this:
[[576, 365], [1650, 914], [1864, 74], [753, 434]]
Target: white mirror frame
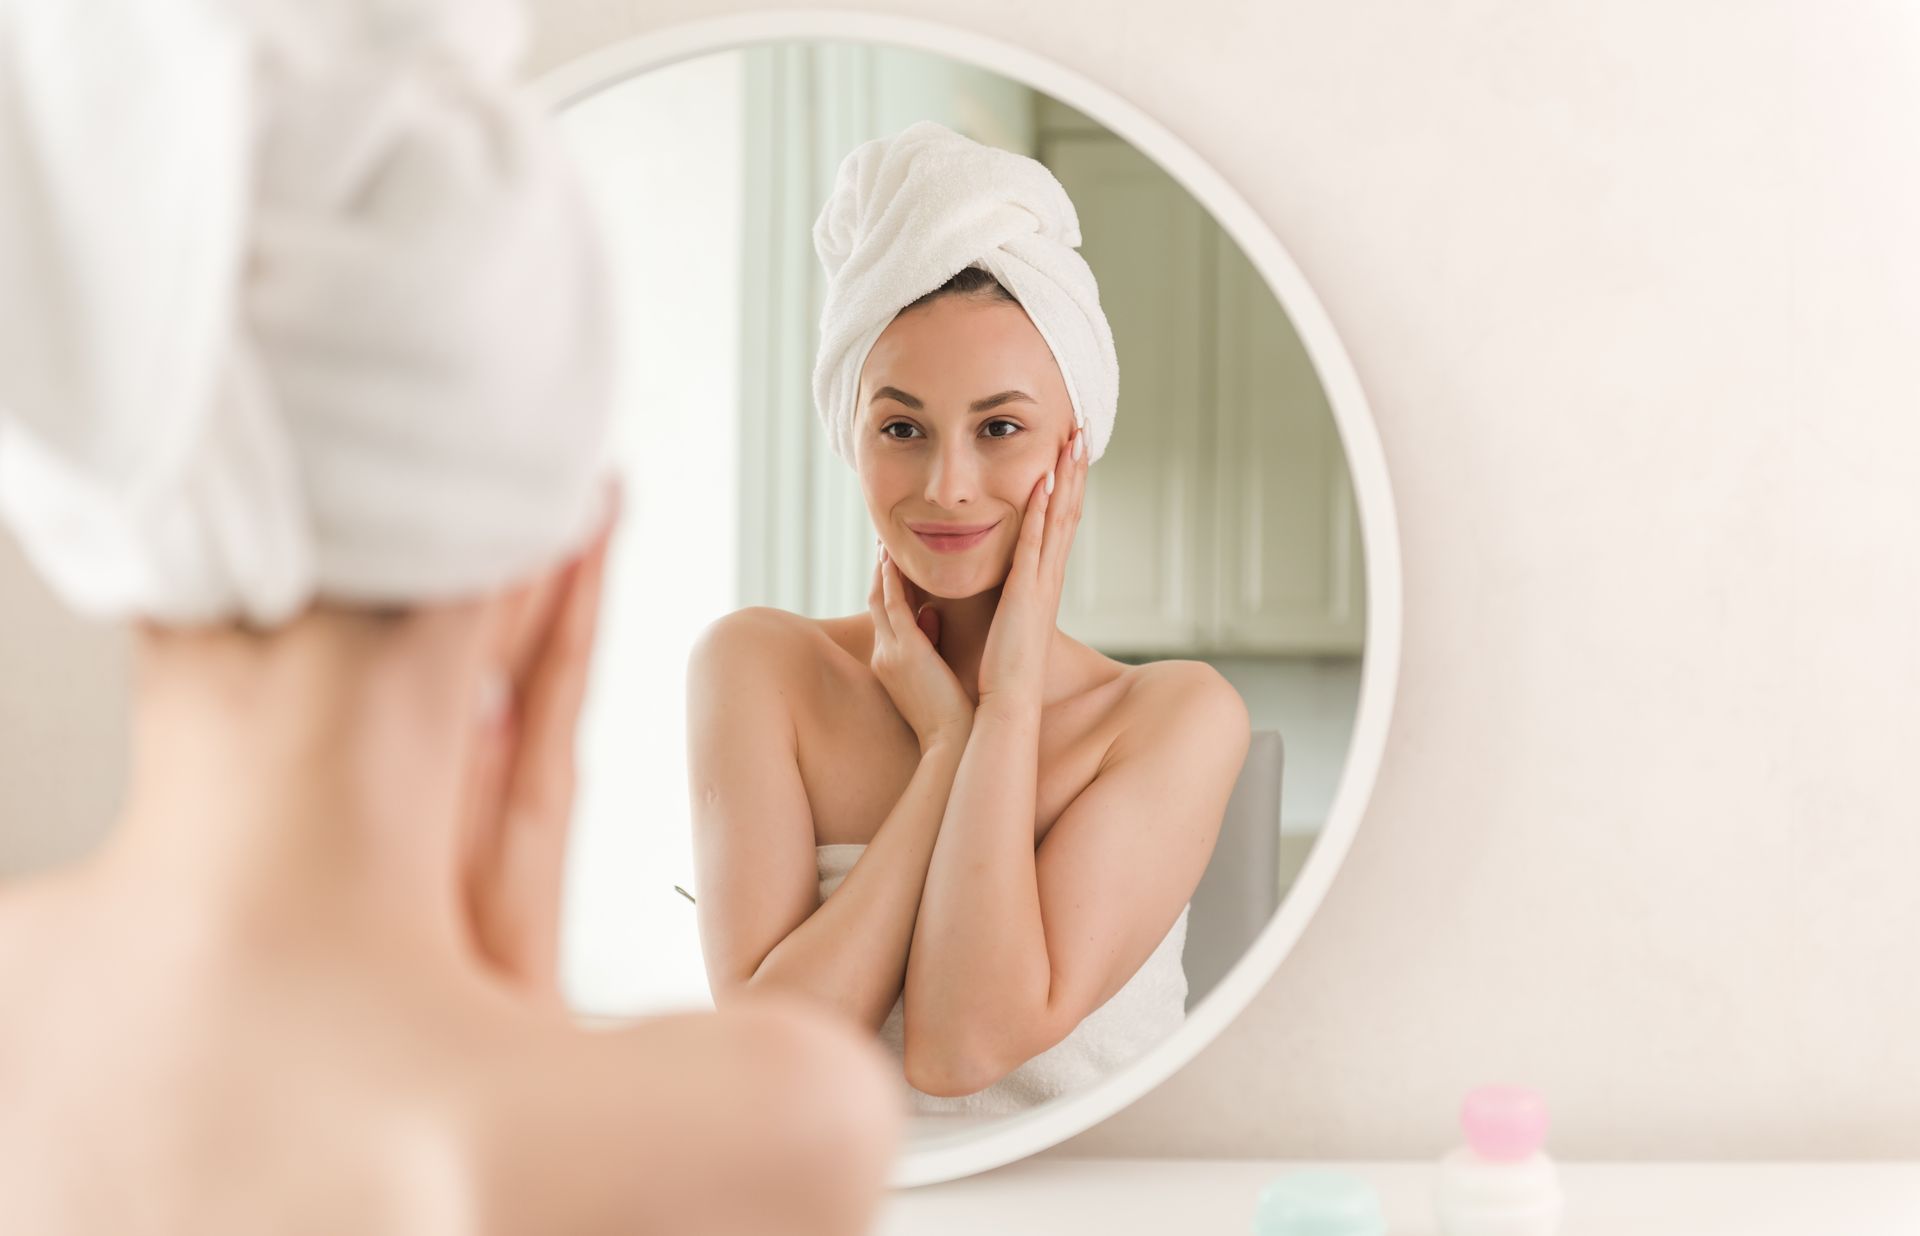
[[964, 1153]]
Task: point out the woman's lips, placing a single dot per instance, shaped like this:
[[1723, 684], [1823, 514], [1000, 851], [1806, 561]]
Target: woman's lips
[[953, 542]]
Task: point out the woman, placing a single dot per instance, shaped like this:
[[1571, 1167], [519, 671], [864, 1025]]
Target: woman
[[260, 411], [944, 817]]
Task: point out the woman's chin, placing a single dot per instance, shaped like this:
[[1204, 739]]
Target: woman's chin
[[957, 581]]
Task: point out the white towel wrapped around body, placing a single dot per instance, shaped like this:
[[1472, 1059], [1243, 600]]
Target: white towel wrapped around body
[[909, 212], [296, 299]]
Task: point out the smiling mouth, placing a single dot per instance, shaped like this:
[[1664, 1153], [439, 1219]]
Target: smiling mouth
[[953, 542]]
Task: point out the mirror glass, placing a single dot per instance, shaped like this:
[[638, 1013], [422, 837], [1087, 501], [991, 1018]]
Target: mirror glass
[[1219, 526]]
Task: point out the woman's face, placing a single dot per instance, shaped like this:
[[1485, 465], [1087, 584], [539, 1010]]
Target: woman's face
[[942, 446]]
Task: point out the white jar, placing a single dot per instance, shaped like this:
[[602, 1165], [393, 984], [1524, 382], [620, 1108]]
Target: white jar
[[1486, 1197]]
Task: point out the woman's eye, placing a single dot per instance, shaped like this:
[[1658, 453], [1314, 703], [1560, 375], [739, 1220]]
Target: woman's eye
[[911, 431]]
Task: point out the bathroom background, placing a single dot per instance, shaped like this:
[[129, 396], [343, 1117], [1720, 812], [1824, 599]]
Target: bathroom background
[[1632, 291]]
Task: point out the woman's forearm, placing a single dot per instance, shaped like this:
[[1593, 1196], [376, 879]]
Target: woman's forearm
[[851, 952], [979, 972]]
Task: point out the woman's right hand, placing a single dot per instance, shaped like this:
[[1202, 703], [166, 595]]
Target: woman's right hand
[[924, 687]]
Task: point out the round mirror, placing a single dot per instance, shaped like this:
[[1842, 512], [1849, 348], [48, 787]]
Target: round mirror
[[1239, 518]]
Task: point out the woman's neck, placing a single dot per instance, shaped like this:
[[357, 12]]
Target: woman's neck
[[308, 781], [965, 623]]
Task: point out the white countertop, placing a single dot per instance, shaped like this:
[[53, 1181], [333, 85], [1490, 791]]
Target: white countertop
[[1192, 1197]]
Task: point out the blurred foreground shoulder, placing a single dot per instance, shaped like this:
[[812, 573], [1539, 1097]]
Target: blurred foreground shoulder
[[771, 1090]]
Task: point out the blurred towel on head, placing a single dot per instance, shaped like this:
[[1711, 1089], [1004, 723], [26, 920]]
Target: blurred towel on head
[[909, 212], [297, 300]]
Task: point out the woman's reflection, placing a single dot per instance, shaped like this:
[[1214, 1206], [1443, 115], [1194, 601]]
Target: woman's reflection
[[944, 816]]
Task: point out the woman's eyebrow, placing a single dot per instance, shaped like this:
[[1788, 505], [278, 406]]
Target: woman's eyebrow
[[979, 405]]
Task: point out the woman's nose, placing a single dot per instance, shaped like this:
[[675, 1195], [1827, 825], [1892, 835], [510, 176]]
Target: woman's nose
[[953, 477]]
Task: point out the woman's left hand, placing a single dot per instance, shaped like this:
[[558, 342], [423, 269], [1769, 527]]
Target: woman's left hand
[[1014, 663]]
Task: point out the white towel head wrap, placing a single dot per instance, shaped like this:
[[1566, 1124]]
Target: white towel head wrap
[[297, 299], [909, 212]]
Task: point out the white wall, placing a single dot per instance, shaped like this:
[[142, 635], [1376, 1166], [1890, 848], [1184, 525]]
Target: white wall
[[1633, 289]]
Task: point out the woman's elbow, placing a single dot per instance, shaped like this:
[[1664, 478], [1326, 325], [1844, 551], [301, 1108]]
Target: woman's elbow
[[951, 1076], [733, 984], [949, 1068]]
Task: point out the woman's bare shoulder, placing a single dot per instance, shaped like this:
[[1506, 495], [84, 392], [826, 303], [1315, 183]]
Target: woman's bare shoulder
[[1184, 695], [763, 637], [756, 630]]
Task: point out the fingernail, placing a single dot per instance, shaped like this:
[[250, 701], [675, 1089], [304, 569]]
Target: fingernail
[[1049, 480], [1080, 445]]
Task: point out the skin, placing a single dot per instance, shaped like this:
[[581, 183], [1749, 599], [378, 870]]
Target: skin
[[308, 984], [1036, 814]]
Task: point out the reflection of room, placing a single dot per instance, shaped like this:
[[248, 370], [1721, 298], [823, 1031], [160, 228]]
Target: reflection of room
[[1222, 528], [1219, 525]]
